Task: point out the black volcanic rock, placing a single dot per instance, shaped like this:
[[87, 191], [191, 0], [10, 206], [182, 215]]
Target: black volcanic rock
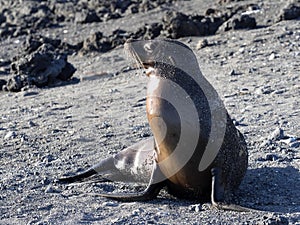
[[292, 11], [40, 65]]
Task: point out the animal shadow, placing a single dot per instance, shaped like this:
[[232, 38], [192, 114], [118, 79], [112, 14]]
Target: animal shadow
[[272, 189]]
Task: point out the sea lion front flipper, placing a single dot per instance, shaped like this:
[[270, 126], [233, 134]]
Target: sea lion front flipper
[[151, 192], [218, 196], [217, 189]]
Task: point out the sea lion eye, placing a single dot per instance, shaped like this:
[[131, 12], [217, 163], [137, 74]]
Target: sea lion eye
[[148, 47]]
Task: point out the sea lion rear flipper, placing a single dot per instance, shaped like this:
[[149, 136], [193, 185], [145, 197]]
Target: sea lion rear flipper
[[151, 192], [105, 165], [217, 194], [130, 164], [78, 177], [131, 157]]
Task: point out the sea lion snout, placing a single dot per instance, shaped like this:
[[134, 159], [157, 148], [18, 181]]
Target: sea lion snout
[[143, 52]]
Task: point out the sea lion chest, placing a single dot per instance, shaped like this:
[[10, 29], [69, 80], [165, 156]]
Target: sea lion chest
[[177, 114]]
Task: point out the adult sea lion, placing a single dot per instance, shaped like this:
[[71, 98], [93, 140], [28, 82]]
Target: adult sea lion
[[196, 151]]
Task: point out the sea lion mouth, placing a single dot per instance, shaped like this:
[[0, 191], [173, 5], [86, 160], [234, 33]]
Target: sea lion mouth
[[150, 70], [147, 65]]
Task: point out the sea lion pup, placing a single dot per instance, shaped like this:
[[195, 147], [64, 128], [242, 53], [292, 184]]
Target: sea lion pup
[[198, 152]]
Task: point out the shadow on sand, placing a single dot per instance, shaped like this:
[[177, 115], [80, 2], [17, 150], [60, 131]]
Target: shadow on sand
[[273, 189]]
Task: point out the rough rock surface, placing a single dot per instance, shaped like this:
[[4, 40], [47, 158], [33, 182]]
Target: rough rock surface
[[40, 64]]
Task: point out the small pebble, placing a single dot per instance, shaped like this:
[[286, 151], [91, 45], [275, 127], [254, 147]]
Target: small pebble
[[202, 44], [115, 220], [266, 90], [137, 212], [45, 181], [252, 70], [145, 134], [272, 57], [277, 134], [50, 189], [162, 214], [10, 135], [271, 157], [113, 90], [295, 144], [196, 208], [110, 204], [105, 125], [46, 207], [265, 143], [19, 210], [31, 124], [232, 72], [289, 140], [48, 158], [244, 91], [280, 91]]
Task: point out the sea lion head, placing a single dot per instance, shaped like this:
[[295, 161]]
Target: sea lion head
[[150, 54]]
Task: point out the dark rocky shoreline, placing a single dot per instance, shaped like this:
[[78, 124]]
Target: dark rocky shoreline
[[17, 20]]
